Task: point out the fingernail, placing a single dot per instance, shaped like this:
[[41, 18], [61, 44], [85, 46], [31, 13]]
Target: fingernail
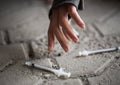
[[83, 26], [66, 49], [76, 40], [50, 47]]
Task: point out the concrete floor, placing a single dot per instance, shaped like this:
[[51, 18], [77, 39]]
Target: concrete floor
[[23, 36]]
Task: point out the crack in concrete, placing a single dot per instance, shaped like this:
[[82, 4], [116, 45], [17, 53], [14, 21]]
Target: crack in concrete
[[105, 66], [98, 30], [6, 37], [6, 65], [3, 36], [109, 15]]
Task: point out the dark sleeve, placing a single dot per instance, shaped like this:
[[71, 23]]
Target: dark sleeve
[[79, 4]]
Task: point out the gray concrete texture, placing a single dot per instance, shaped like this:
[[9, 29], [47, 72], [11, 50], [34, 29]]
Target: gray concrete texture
[[23, 37], [93, 64], [110, 77], [64, 82], [2, 38], [10, 54]]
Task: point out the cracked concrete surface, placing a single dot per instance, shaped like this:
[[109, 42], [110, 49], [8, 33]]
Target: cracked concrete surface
[[23, 36], [93, 64]]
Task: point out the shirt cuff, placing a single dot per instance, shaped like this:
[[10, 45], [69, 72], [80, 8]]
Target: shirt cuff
[[57, 3]]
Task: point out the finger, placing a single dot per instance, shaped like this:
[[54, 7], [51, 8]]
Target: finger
[[58, 33], [66, 25], [66, 35], [68, 28], [60, 37], [74, 14], [51, 38]]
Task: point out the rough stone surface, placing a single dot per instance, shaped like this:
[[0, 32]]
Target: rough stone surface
[[63, 82], [40, 46], [18, 74], [109, 77], [10, 54], [97, 10], [29, 31], [20, 12], [29, 19], [40, 49], [2, 36], [80, 66], [109, 26]]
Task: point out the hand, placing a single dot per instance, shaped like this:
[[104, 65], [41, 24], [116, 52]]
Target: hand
[[60, 27]]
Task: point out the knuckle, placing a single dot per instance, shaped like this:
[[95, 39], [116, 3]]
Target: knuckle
[[73, 11]]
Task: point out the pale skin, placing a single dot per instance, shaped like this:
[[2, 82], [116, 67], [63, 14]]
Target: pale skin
[[60, 27]]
